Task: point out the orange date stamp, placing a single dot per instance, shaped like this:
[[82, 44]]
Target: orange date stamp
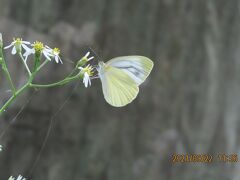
[[204, 158]]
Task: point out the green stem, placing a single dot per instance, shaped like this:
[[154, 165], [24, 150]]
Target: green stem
[[5, 69], [72, 72], [59, 83], [29, 83], [25, 64], [43, 64], [18, 92], [13, 97]]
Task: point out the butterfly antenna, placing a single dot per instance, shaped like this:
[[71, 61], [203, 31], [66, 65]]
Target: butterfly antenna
[[52, 119], [95, 54]]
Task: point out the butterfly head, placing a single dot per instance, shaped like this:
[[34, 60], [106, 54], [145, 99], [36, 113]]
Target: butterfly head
[[101, 63], [101, 66]]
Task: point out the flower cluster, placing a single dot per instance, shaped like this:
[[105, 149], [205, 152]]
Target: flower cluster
[[18, 178], [37, 48]]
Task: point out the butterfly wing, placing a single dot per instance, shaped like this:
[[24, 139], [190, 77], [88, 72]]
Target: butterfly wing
[[118, 88], [137, 67]]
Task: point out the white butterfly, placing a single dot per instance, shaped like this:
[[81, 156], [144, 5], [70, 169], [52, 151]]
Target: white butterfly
[[121, 77]]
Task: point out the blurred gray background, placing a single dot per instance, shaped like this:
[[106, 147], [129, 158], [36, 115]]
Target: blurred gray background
[[189, 104]]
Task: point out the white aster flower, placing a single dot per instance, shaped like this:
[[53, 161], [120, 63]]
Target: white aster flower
[[87, 72], [55, 53], [38, 48], [18, 178], [88, 58], [17, 45], [84, 59]]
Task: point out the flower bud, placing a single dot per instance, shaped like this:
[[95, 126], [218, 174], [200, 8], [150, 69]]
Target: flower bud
[[83, 61]]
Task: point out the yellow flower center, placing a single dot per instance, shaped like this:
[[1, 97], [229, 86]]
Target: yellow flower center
[[17, 44], [38, 46], [17, 41], [88, 69], [56, 51]]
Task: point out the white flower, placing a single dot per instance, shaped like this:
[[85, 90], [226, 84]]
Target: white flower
[[0, 147], [18, 178], [86, 80], [28, 52], [88, 58], [55, 53], [17, 45], [87, 72], [39, 48], [84, 60]]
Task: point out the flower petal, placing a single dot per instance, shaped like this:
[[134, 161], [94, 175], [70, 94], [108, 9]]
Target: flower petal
[[25, 42], [89, 81], [14, 51], [10, 45], [56, 59], [25, 47], [28, 52], [47, 47], [90, 58], [86, 80], [47, 55], [60, 60], [87, 54], [11, 178]]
